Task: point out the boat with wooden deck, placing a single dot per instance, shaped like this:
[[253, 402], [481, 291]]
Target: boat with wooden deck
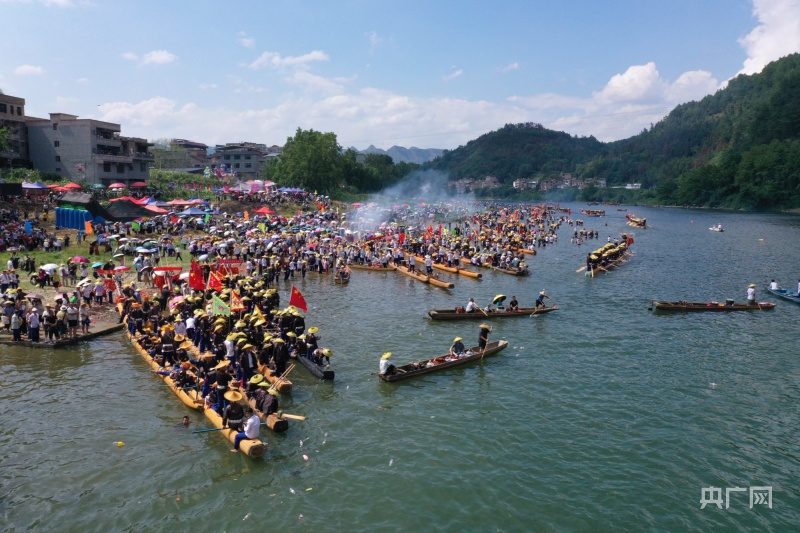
[[342, 277], [437, 364], [524, 251], [785, 294], [253, 448], [701, 307], [323, 372], [370, 268], [459, 313], [717, 228], [522, 271], [636, 222], [285, 386], [594, 212]]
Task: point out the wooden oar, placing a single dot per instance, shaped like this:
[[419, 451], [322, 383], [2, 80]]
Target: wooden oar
[[293, 417], [282, 378], [581, 269]]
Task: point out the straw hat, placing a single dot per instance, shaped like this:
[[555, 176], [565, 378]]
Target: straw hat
[[291, 334], [313, 329], [484, 326], [264, 383], [247, 346], [186, 345], [223, 364], [387, 355], [752, 285], [542, 292], [327, 352], [180, 338], [260, 322], [233, 396], [279, 341], [457, 339], [256, 379]]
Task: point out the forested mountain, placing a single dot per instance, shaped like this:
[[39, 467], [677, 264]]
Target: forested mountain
[[400, 154], [738, 148]]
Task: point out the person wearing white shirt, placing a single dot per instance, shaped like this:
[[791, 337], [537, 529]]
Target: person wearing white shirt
[[471, 306], [773, 285], [251, 429]]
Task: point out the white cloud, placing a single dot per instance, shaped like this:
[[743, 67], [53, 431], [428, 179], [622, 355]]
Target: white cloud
[[206, 86], [508, 68], [453, 75], [28, 70], [275, 60], [130, 56], [312, 82], [158, 57], [628, 103], [374, 39], [83, 80], [245, 40], [777, 35]]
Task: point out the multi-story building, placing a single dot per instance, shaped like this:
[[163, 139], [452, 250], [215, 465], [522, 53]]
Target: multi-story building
[[197, 152], [87, 150], [245, 159], [12, 118]]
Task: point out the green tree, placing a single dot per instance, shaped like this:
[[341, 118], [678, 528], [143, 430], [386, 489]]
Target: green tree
[[168, 155], [311, 160]]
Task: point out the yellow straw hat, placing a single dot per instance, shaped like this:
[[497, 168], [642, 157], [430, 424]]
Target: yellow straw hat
[[387, 355], [256, 379], [233, 396], [457, 339]]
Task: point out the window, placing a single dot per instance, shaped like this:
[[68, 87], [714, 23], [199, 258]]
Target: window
[[248, 165], [121, 168], [56, 143], [237, 157], [55, 125], [106, 167], [58, 158], [19, 111], [236, 165], [143, 167], [227, 157], [3, 108], [247, 157], [58, 169], [11, 109]]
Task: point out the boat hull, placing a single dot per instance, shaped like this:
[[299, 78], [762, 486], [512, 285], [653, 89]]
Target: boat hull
[[451, 314], [710, 307], [491, 349], [785, 294]]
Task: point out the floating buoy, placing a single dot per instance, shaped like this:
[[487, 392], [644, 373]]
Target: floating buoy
[[305, 457], [119, 444]]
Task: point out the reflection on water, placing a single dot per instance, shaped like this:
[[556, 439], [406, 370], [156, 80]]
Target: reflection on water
[[598, 416]]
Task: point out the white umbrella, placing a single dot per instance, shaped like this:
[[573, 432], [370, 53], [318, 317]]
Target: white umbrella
[[49, 266], [203, 257]]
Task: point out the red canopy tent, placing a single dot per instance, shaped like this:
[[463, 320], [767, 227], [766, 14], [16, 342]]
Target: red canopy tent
[[72, 186], [138, 184], [264, 211], [117, 186]]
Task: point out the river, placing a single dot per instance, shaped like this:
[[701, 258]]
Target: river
[[602, 416]]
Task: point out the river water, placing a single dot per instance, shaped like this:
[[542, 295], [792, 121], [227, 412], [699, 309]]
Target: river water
[[601, 416]]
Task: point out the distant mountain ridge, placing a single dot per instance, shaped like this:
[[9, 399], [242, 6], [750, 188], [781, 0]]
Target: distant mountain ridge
[[400, 154]]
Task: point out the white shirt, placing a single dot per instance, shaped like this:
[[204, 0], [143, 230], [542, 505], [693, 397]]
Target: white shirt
[[384, 365], [251, 427], [751, 293], [773, 286], [471, 306]]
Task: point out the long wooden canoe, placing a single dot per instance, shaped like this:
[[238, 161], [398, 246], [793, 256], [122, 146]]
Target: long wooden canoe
[[452, 270], [324, 372], [342, 279], [253, 448], [785, 294], [685, 306], [419, 368], [452, 314], [284, 386], [424, 278], [355, 266]]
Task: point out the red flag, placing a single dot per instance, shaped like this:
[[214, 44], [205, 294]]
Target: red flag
[[297, 300], [214, 283], [173, 219], [196, 280], [402, 238]]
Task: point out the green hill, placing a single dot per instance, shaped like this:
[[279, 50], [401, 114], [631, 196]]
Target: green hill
[[738, 148]]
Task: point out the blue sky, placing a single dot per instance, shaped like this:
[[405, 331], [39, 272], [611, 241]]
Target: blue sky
[[431, 74]]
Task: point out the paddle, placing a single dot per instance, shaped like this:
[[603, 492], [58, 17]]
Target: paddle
[[581, 269], [218, 429], [293, 417], [282, 378]]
